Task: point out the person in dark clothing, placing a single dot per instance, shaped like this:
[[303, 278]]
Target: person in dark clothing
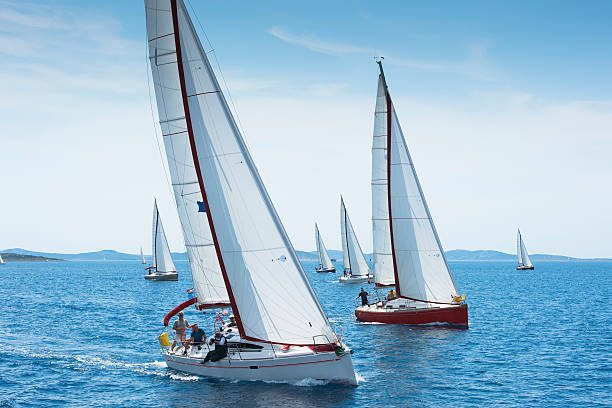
[[220, 350], [364, 297]]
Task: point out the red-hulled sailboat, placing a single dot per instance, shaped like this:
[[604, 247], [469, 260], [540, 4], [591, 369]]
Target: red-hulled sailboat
[[407, 251]]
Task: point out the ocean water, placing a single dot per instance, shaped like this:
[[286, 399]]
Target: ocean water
[[85, 334]]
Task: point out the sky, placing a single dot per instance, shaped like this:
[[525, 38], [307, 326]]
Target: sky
[[506, 108]]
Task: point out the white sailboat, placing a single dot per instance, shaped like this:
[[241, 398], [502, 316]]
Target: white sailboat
[[142, 257], [524, 263], [163, 267], [407, 250], [1, 260], [325, 264], [356, 269], [283, 332]]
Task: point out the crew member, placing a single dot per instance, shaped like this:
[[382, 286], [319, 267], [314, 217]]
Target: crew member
[[220, 350], [364, 297], [180, 327]]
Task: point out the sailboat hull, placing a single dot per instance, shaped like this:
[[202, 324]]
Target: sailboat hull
[[354, 279], [162, 276], [325, 366], [524, 268], [452, 315], [325, 270]]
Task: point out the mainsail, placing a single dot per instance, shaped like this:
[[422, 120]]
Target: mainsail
[[267, 287], [420, 267], [205, 269], [381, 235], [1, 260], [162, 261], [142, 257], [523, 256], [353, 258], [324, 260]]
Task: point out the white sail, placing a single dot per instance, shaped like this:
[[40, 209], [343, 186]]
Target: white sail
[[142, 257], [324, 260], [1, 260], [381, 236], [268, 289], [421, 267], [523, 256], [205, 270], [162, 260], [353, 258]]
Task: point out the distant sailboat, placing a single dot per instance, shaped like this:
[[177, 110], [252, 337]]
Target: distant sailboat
[[325, 264], [524, 263], [407, 250], [163, 267], [142, 257], [356, 269], [1, 260], [282, 332]]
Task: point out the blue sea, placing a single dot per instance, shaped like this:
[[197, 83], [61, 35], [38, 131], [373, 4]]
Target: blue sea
[[85, 334]]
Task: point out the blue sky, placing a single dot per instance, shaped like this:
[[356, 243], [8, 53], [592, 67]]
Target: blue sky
[[505, 105]]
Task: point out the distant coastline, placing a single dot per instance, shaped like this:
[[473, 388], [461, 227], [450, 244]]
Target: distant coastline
[[12, 257], [455, 255]]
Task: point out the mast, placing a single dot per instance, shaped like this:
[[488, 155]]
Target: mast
[[251, 245], [344, 231], [419, 246], [155, 225], [389, 125], [518, 248], [318, 239], [181, 74]]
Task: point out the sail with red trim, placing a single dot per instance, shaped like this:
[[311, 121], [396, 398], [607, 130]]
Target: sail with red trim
[[421, 268], [205, 270], [354, 261], [162, 260], [268, 289], [381, 236], [324, 260]]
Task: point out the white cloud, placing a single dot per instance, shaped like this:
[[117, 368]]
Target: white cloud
[[475, 65]]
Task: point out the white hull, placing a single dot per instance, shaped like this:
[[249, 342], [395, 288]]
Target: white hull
[[353, 279], [324, 270], [162, 276], [269, 364]]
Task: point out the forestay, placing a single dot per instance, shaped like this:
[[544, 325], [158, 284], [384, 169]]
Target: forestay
[[162, 261], [381, 235], [422, 272], [353, 258], [523, 256], [269, 292], [205, 270], [324, 260]]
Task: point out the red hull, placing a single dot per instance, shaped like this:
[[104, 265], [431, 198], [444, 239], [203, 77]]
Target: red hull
[[454, 315]]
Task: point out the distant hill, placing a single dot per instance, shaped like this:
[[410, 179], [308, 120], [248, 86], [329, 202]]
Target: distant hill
[[11, 257], [453, 255]]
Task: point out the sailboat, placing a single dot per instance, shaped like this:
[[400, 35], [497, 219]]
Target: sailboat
[[524, 263], [142, 257], [407, 251], [163, 268], [325, 264], [283, 334], [1, 260], [356, 269]]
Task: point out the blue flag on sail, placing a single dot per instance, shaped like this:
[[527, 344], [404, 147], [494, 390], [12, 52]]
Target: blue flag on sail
[[201, 206]]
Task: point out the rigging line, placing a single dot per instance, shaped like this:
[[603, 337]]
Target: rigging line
[[213, 52]]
